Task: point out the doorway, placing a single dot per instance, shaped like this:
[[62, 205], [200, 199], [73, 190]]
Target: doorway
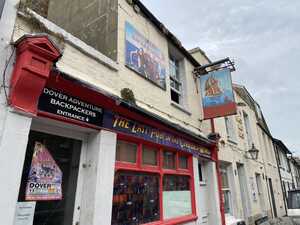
[[64, 154], [272, 197], [243, 189]]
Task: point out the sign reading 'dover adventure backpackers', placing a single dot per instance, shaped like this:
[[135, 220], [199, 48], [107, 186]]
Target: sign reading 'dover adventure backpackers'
[[61, 104], [116, 122]]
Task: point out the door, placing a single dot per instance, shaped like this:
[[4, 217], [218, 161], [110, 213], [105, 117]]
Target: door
[[243, 189], [63, 153], [260, 192], [203, 193], [272, 197]]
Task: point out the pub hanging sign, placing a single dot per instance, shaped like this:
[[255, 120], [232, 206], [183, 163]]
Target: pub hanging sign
[[124, 125], [64, 105]]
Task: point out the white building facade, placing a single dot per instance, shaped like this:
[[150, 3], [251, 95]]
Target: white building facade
[[251, 187], [119, 129]]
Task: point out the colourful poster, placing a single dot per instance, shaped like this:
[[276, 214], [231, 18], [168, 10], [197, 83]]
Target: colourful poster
[[217, 94], [144, 57], [45, 177]]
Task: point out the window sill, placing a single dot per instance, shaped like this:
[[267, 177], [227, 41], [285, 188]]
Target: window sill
[[181, 108], [176, 221], [231, 141]]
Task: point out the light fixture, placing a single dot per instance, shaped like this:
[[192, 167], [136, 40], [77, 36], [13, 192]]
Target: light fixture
[[253, 152]]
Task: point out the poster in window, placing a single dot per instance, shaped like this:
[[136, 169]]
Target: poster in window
[[176, 204], [45, 177], [144, 57], [24, 213], [217, 94]]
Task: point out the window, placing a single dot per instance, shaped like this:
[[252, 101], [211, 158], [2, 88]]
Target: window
[[149, 156], [230, 128], [175, 81], [2, 2], [225, 189], [169, 160], [248, 129], [126, 152], [156, 188]]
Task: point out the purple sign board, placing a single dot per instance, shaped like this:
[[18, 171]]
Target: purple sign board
[[155, 135]]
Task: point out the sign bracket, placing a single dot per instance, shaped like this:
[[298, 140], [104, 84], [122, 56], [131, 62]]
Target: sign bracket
[[214, 66]]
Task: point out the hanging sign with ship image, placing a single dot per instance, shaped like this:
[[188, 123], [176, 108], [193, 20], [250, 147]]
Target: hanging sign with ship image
[[217, 94]]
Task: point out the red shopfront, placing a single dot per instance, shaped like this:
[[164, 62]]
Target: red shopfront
[[154, 181]]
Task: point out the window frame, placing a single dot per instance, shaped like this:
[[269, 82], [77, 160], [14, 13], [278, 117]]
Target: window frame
[[231, 129], [179, 81], [159, 170]]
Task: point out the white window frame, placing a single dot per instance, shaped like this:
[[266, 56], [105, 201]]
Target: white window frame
[[230, 129], [248, 129], [224, 169], [176, 78]]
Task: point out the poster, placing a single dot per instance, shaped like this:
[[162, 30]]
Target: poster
[[144, 57], [217, 94], [24, 213], [45, 177], [176, 204]]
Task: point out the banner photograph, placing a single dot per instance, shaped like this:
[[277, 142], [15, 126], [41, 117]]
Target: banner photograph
[[217, 94], [144, 57]]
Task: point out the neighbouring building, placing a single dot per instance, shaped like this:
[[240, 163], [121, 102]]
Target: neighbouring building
[[101, 121], [294, 162], [284, 165], [250, 184]]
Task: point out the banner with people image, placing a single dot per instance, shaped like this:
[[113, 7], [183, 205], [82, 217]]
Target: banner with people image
[[144, 57], [45, 177], [217, 94]]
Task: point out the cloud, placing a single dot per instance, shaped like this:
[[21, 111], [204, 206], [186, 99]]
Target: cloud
[[264, 39]]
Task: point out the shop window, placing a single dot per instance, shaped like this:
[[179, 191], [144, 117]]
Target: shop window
[[149, 156], [183, 162], [176, 196], [126, 152], [136, 198], [169, 160], [159, 192]]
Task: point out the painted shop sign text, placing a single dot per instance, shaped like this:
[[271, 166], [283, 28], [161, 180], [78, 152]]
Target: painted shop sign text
[[155, 135]]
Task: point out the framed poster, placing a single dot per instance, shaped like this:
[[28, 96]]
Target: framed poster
[[217, 94], [142, 56]]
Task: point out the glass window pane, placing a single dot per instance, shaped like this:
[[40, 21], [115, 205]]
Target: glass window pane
[[149, 156], [226, 197], [135, 198], [126, 152], [225, 183], [183, 162], [169, 160], [176, 196]]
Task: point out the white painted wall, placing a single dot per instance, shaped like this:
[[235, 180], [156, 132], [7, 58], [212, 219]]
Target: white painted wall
[[12, 154]]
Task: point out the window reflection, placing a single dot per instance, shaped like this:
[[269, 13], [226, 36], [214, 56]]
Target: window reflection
[[135, 199]]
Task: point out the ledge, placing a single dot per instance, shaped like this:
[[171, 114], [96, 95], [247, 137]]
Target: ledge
[[181, 108], [74, 41]]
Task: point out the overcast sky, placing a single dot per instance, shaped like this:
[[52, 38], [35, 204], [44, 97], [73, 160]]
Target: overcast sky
[[262, 36]]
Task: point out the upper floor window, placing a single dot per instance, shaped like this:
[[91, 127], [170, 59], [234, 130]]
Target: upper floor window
[[175, 80], [230, 128], [248, 129]]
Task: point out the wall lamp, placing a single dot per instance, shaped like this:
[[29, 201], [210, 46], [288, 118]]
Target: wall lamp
[[253, 152]]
